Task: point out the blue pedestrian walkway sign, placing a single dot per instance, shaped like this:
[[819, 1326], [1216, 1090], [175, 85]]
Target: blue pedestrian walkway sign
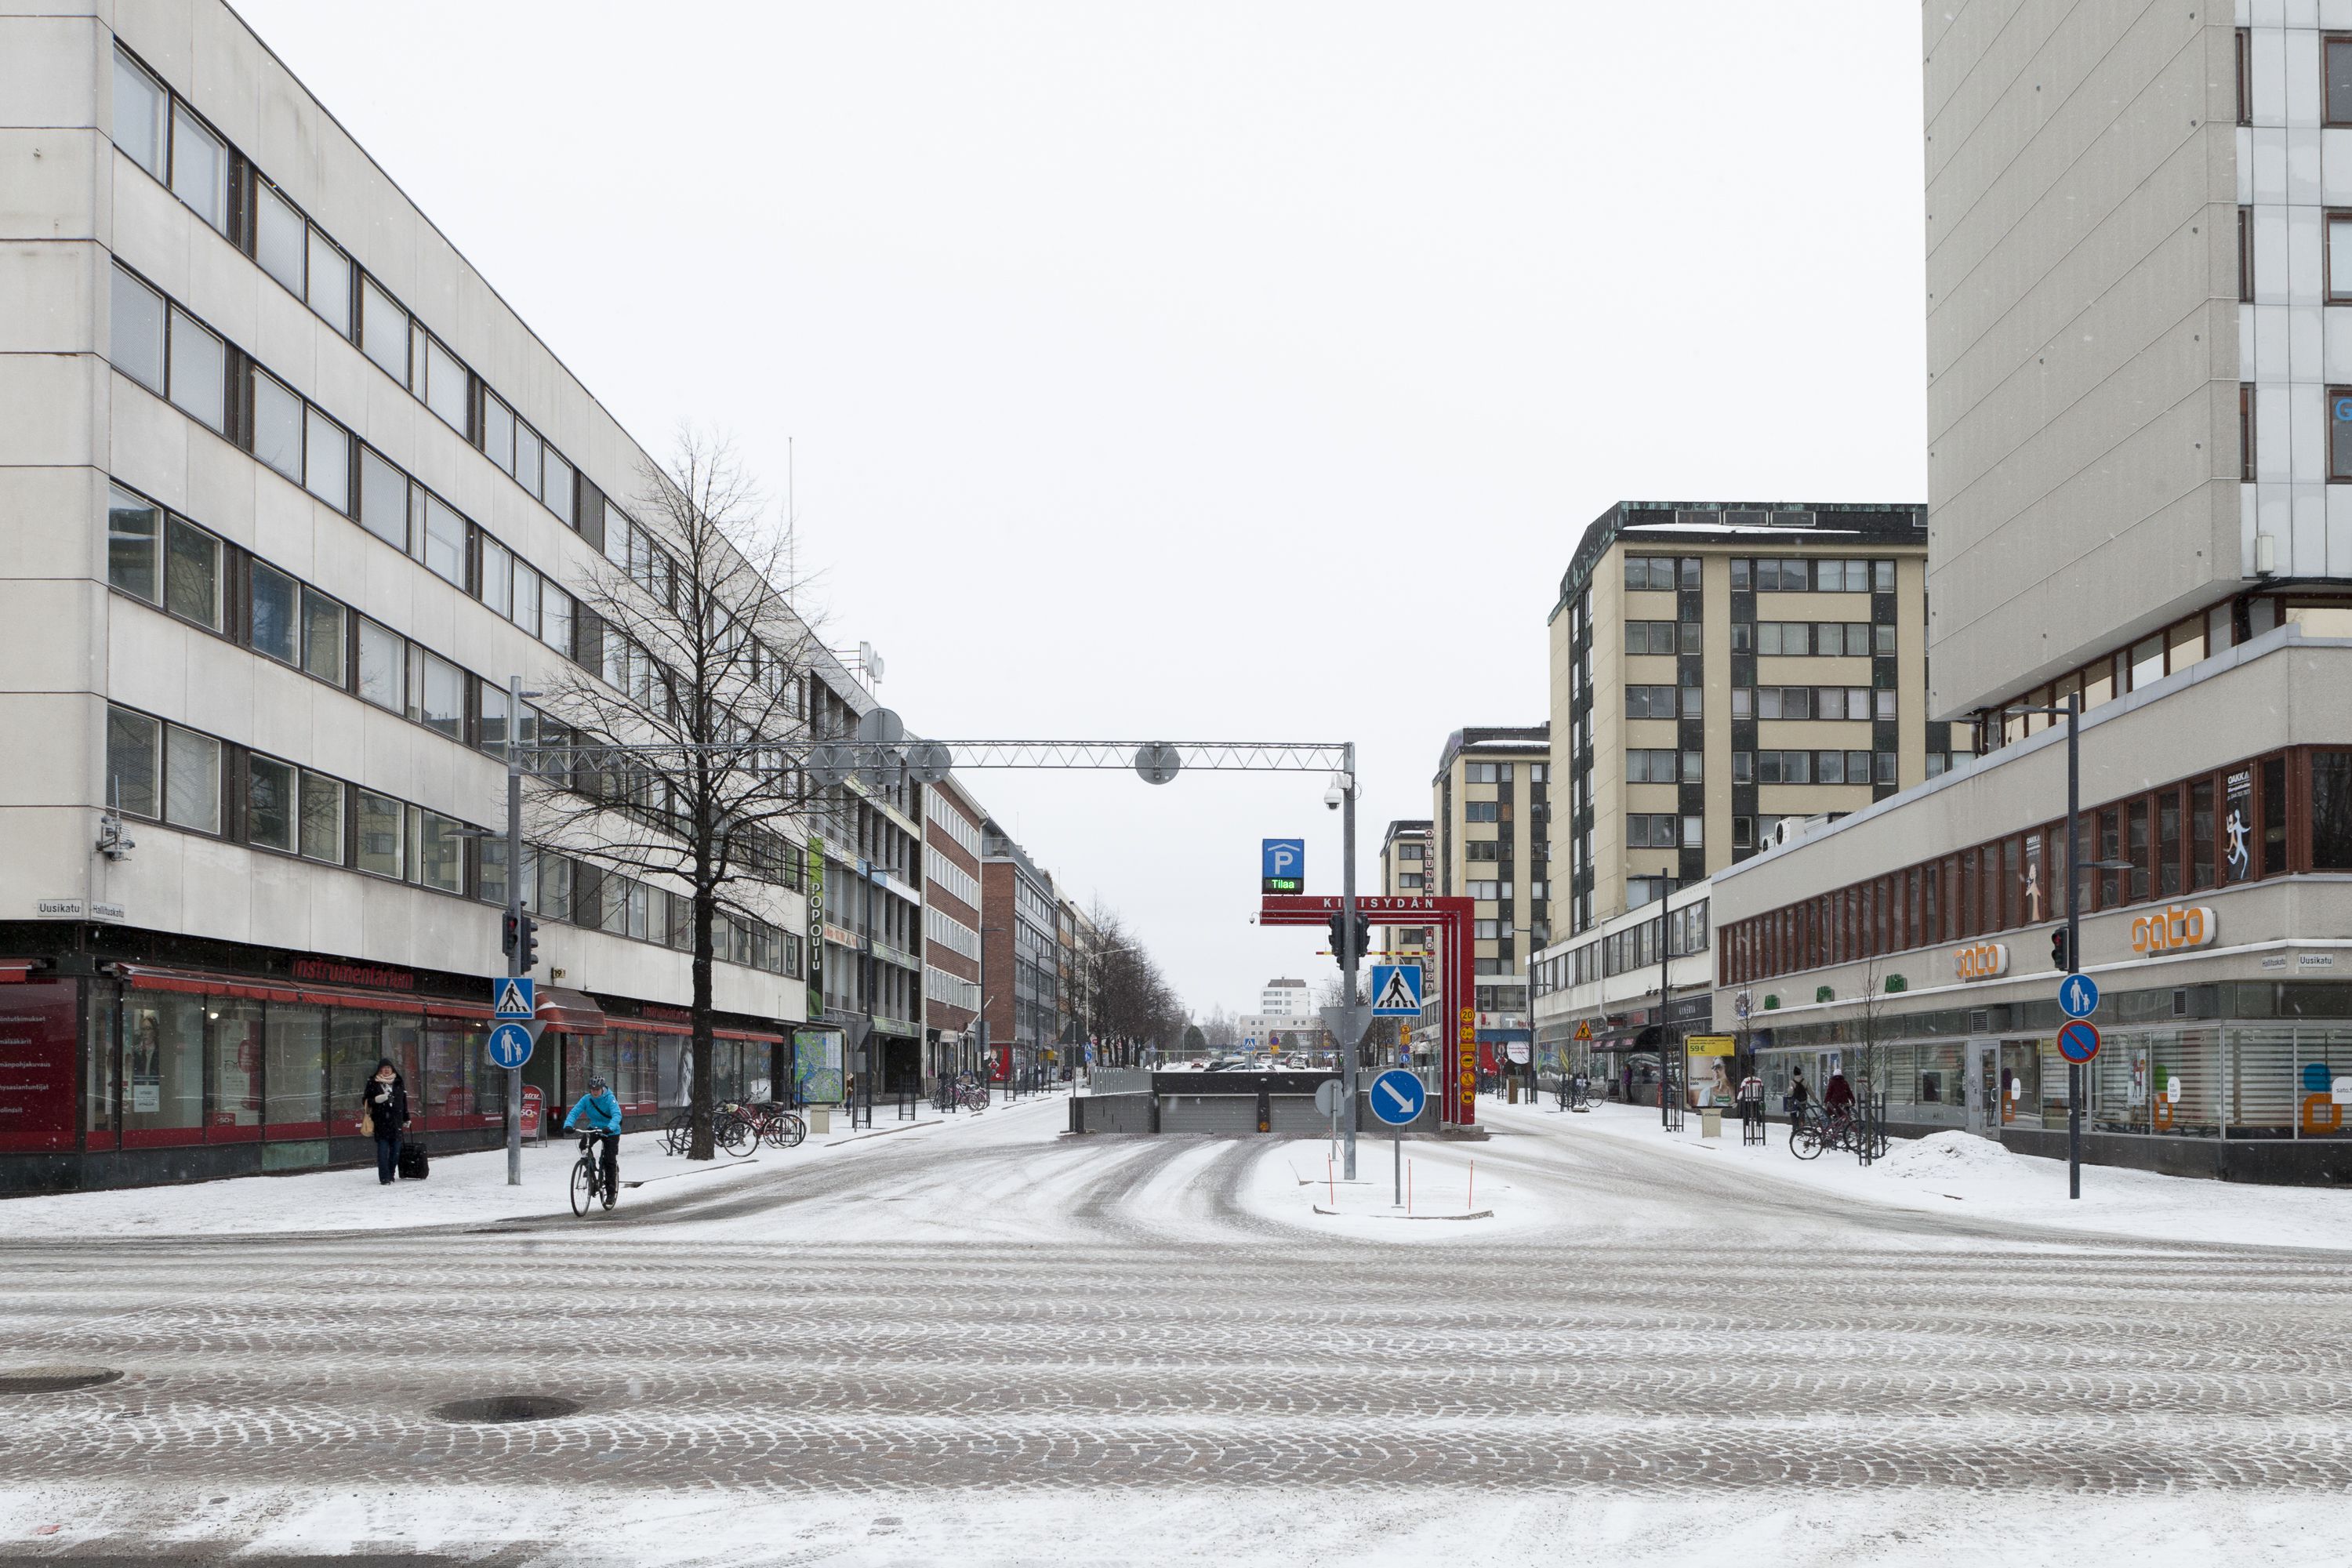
[[2078, 996], [1397, 1097], [509, 1046], [514, 996], [1396, 989]]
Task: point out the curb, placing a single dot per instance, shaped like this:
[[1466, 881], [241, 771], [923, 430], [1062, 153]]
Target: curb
[[1482, 1214]]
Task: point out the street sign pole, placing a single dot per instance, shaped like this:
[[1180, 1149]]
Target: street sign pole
[[514, 910], [2073, 932], [1348, 955]]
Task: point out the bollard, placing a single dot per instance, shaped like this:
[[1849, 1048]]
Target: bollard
[[1470, 1197]]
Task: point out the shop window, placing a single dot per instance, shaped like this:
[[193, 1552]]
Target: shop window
[[297, 1075], [162, 1066], [354, 1046], [235, 1060]]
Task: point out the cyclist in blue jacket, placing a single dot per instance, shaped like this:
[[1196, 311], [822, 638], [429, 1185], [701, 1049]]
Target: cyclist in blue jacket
[[602, 1115]]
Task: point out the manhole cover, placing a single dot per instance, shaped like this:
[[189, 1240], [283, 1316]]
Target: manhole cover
[[54, 1379], [507, 1407]]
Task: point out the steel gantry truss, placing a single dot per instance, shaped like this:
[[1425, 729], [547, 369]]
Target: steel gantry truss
[[882, 752]]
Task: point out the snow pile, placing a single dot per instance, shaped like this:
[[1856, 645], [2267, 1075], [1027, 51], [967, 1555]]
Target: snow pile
[[1940, 1156]]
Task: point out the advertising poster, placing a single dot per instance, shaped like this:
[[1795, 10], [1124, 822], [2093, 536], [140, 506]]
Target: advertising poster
[[817, 1065]]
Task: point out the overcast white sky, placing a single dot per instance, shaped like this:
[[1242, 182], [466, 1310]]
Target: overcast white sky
[[1151, 366]]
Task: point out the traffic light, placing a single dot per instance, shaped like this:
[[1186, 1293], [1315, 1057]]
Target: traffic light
[[2058, 951], [1338, 926], [521, 930]]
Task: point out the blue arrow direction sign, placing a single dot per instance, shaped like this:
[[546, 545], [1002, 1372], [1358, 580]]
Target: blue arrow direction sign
[[1396, 989], [2078, 1040], [1397, 1097], [514, 996], [509, 1046], [2078, 996]]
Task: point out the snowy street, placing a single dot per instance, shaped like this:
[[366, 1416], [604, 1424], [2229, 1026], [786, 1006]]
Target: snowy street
[[985, 1342]]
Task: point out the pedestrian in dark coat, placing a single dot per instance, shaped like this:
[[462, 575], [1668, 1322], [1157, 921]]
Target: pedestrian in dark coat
[[384, 1112]]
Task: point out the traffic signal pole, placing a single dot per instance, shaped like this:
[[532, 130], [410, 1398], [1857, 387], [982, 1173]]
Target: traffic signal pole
[[2073, 931], [1349, 955]]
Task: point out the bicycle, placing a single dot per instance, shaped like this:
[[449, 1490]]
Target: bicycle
[[588, 1183], [772, 1124], [731, 1130]]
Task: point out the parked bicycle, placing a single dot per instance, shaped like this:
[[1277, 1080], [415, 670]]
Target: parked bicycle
[[771, 1123], [590, 1186], [730, 1130]]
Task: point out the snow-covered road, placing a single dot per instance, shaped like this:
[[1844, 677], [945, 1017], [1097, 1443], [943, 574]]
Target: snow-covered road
[[988, 1342]]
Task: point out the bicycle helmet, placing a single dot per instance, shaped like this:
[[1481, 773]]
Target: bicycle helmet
[[596, 1085]]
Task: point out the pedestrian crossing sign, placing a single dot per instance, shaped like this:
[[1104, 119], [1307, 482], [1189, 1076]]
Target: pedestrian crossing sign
[[1396, 989], [515, 997]]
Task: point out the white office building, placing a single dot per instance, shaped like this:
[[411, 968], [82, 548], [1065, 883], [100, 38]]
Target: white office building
[[289, 494]]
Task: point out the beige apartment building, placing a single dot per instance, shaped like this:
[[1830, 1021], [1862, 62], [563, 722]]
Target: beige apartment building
[[1491, 806], [1716, 669]]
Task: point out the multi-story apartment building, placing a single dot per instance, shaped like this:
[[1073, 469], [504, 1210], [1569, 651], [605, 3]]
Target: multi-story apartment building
[[2138, 467], [1405, 867], [1020, 956], [1491, 802], [1716, 668], [289, 496], [871, 894], [951, 922]]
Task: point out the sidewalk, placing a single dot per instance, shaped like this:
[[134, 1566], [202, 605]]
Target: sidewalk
[[1956, 1173], [468, 1188]]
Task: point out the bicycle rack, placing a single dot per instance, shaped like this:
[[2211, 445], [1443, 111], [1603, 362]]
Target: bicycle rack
[[1752, 1121]]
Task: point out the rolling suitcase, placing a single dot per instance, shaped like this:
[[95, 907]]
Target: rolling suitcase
[[414, 1164]]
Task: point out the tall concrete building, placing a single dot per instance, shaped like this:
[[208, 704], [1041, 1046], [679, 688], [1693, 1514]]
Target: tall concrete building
[[1406, 869], [1719, 667], [2138, 450]]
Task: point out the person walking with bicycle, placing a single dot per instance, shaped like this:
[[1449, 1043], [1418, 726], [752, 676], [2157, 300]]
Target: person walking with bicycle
[[602, 1115], [1799, 1099]]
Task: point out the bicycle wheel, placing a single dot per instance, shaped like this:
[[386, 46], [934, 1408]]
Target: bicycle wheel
[[584, 1185], [735, 1135], [791, 1129], [1805, 1141]]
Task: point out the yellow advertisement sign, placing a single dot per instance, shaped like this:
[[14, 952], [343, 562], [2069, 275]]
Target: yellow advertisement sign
[[1709, 1046]]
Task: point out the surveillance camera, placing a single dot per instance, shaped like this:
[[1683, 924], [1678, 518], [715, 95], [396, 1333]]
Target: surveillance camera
[[1331, 798]]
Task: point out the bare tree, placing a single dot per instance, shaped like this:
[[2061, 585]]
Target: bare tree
[[691, 725], [1133, 1006], [1869, 1022]]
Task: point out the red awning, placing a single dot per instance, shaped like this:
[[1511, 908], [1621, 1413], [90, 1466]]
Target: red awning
[[575, 1011], [154, 978], [13, 971], [748, 1034]]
